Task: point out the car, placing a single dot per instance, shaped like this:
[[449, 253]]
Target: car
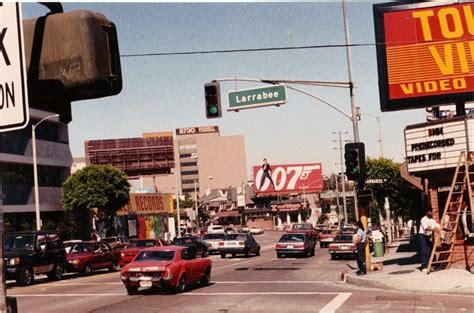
[[212, 242], [169, 267], [256, 230], [326, 237], [294, 243], [215, 229], [244, 229], [192, 242], [33, 252], [69, 243], [342, 245], [240, 243], [127, 254], [306, 228], [117, 242], [88, 256]]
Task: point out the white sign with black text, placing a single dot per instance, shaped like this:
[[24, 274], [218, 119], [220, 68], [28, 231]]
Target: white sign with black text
[[13, 81]]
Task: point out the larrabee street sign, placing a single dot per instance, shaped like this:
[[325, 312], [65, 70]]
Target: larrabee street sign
[[13, 81], [425, 53], [257, 97]]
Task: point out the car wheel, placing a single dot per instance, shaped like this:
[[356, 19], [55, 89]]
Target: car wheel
[[181, 284], [333, 257], [57, 272], [312, 251], [25, 276], [203, 254], [114, 267], [247, 253], [87, 270], [258, 252], [132, 290], [206, 279], [222, 255], [233, 255], [279, 255]]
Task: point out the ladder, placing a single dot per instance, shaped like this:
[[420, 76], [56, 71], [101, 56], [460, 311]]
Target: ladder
[[442, 251]]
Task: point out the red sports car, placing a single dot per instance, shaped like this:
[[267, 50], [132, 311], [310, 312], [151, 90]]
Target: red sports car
[[87, 256], [169, 267], [132, 250]]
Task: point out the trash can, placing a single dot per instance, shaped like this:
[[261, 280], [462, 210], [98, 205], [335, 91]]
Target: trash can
[[378, 249]]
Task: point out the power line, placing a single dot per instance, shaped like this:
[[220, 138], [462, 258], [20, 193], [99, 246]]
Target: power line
[[243, 50]]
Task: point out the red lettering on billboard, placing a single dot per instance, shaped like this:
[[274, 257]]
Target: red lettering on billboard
[[290, 178]]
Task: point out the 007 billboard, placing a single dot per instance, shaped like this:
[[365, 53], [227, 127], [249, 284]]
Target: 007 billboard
[[425, 53], [289, 178]]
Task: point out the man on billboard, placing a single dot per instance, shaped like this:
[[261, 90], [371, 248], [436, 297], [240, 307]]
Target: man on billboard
[[267, 173]]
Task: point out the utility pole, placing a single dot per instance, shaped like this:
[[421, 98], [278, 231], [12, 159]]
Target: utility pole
[[343, 181]]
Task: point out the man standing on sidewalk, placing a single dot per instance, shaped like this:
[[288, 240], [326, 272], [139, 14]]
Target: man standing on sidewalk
[[360, 242], [427, 225]]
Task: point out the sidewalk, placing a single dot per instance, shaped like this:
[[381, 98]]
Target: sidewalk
[[401, 272]]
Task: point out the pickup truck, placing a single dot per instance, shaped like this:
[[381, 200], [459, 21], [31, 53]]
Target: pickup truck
[[304, 228]]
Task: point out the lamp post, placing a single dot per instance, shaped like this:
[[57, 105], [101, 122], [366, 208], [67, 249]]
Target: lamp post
[[377, 117], [35, 168]]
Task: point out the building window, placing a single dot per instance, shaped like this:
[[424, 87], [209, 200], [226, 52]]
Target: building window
[[190, 190], [189, 164], [189, 173]]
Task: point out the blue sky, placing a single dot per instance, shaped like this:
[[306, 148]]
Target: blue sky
[[163, 93]]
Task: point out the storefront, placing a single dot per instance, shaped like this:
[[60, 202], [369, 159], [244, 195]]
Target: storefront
[[147, 215]]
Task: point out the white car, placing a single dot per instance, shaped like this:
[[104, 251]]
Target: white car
[[215, 229], [212, 241], [256, 231]]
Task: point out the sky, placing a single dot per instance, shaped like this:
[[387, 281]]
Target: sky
[[162, 93]]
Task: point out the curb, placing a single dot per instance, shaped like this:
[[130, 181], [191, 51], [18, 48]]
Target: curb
[[364, 282]]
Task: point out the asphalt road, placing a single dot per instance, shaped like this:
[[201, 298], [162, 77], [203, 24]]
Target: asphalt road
[[255, 284]]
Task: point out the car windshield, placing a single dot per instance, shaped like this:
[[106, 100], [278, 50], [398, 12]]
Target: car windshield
[[302, 226], [343, 238], [292, 237], [154, 256], [234, 237], [19, 242], [142, 243], [81, 247], [216, 227], [213, 236]]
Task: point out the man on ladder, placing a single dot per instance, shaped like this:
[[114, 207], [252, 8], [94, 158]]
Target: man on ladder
[[427, 226]]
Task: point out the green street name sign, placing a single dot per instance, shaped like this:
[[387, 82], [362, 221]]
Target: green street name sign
[[257, 97]]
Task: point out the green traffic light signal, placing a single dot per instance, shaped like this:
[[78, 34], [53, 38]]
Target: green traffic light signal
[[213, 110]]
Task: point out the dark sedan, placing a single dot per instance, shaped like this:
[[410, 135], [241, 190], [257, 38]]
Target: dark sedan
[[291, 244], [192, 242]]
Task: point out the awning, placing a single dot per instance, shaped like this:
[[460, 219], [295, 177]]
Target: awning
[[226, 214]]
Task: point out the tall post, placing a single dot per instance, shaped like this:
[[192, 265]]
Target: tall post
[[343, 181], [380, 136], [196, 204], [177, 205], [244, 222], [35, 177], [3, 286]]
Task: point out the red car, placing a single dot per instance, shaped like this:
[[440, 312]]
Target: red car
[[171, 268], [87, 256], [304, 228], [132, 250], [326, 237]]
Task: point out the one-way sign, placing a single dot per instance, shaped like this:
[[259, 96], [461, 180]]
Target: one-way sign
[[13, 88]]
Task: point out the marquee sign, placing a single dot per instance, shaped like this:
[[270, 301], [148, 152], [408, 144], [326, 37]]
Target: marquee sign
[[148, 203], [425, 53]]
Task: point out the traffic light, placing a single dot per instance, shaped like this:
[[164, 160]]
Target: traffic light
[[212, 92], [355, 161]]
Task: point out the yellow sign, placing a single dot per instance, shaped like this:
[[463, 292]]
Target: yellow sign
[[148, 203]]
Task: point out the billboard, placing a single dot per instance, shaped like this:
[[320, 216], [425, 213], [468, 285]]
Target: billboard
[[148, 203], [289, 178], [425, 53]]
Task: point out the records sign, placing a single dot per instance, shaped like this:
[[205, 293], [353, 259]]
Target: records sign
[[425, 53]]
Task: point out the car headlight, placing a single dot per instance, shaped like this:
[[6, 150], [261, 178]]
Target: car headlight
[[122, 254], [75, 262], [14, 261]]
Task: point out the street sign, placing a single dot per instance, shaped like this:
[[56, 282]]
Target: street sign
[[257, 97], [13, 88], [375, 180], [333, 194]]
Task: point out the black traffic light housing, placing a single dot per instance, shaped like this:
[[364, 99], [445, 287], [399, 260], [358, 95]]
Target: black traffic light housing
[[212, 93], [355, 161]]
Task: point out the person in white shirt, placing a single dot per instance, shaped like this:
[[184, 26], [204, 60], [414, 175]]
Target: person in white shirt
[[427, 225]]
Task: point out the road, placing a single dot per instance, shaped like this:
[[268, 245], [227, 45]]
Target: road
[[255, 284]]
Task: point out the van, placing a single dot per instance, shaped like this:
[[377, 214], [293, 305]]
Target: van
[[215, 229]]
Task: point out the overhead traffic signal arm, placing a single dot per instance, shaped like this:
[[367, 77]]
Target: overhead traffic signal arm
[[212, 95]]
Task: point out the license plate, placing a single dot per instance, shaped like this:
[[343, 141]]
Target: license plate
[[231, 244], [145, 283], [289, 247], [344, 248]]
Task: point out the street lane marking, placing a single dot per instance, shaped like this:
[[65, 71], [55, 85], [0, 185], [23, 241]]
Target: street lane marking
[[336, 303], [269, 293], [82, 284], [74, 295], [274, 282]]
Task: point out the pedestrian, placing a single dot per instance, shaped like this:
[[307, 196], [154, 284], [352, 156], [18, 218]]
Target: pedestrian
[[427, 225], [267, 173], [360, 243]]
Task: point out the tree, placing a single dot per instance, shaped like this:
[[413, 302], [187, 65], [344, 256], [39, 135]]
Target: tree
[[95, 188]]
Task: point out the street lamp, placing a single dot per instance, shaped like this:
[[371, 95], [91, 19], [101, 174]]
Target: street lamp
[[377, 117], [35, 169]]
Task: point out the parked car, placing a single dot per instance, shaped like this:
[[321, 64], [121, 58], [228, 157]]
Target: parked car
[[169, 267], [215, 229], [294, 243], [88, 256], [241, 243], [33, 252], [68, 244], [244, 229], [117, 242], [342, 245], [326, 237], [127, 254], [192, 242], [212, 242], [305, 228], [256, 230]]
